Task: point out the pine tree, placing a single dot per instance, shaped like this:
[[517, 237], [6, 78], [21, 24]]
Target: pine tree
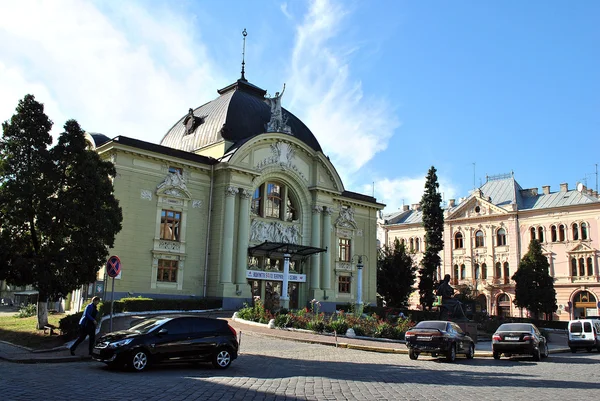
[[58, 214], [396, 275], [534, 287], [433, 222]]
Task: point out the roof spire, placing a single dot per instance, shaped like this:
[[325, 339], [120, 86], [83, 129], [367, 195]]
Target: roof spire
[[244, 34]]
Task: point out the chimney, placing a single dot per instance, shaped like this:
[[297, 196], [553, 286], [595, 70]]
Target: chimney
[[451, 202], [405, 208], [546, 189], [564, 187], [590, 191], [415, 206]]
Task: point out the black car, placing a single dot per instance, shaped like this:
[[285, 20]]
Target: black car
[[519, 339], [439, 337], [178, 338]]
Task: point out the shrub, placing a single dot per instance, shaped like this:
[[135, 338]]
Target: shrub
[[69, 325], [27, 311], [339, 326], [283, 320]]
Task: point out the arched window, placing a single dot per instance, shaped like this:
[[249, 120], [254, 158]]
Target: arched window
[[506, 273], [483, 271], [274, 200], [573, 267], [541, 234], [581, 267], [403, 242], [590, 266], [553, 234], [501, 237], [417, 244], [479, 242], [584, 231], [463, 272], [498, 272], [476, 272], [412, 245], [561, 233], [455, 276], [575, 232], [532, 233], [458, 241]]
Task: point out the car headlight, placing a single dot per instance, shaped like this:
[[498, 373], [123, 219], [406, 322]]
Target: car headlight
[[121, 343]]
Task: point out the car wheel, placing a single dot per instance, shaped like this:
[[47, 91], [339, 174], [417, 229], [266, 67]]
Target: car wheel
[[589, 349], [496, 355], [546, 352], [139, 360], [470, 352], [537, 355], [222, 359], [412, 354], [573, 350], [451, 355]]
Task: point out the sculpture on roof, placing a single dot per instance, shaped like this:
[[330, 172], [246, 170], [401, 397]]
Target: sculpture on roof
[[277, 123]]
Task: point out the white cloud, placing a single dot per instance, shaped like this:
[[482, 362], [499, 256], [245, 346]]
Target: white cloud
[[133, 79], [350, 127], [407, 190]]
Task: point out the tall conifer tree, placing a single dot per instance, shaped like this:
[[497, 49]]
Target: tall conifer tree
[[433, 222], [396, 274]]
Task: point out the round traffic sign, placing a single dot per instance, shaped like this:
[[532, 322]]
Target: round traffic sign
[[113, 266]]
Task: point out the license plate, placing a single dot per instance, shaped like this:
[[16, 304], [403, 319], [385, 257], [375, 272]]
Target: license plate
[[511, 338], [424, 338]]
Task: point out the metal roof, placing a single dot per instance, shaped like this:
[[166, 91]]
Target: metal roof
[[503, 191], [281, 248], [240, 112]]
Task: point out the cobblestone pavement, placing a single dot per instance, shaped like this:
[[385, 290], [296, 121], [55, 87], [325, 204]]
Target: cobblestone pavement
[[274, 369]]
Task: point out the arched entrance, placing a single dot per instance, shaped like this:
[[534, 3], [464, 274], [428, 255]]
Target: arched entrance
[[503, 308], [481, 303], [584, 305]]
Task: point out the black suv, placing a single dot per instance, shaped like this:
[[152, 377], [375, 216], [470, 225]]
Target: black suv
[[178, 338]]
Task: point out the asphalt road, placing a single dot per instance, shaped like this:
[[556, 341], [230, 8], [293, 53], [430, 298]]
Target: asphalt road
[[272, 369]]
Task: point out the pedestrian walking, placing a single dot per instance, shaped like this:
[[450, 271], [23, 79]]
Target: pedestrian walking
[[87, 325]]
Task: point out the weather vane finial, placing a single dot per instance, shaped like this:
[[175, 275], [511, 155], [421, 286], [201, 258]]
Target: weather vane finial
[[244, 34]]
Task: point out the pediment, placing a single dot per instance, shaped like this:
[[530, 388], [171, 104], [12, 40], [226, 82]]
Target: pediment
[[475, 206], [581, 248]]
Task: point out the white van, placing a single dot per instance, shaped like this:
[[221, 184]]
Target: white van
[[584, 333]]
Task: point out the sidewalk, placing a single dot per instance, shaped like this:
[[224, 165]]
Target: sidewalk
[[18, 354]]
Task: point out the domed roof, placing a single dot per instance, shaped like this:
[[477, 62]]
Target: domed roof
[[239, 113]]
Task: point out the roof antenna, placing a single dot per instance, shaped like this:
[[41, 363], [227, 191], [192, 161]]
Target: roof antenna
[[244, 34]]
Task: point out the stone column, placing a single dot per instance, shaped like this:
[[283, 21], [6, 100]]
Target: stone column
[[316, 242], [326, 256], [227, 242], [243, 236]]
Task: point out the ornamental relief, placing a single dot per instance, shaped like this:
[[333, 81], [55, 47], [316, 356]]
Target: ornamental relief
[[169, 246], [346, 217], [274, 231], [283, 156]]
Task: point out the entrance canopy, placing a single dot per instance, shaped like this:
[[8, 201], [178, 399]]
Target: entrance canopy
[[278, 249]]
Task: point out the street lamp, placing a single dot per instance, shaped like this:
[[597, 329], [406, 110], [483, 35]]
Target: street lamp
[[359, 268]]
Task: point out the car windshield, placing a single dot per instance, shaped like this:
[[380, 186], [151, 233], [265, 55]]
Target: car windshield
[[431, 325], [515, 327], [148, 325]]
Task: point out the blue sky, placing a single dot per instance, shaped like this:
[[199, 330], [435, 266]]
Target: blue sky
[[389, 88]]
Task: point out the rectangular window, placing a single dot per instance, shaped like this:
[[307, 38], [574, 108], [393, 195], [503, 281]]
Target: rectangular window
[[169, 225], [344, 250], [344, 285], [167, 271]]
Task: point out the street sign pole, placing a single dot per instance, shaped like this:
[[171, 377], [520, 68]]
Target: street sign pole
[[112, 301]]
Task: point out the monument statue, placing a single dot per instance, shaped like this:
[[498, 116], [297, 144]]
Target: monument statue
[[277, 123]]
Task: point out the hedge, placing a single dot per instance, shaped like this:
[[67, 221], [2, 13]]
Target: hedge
[[69, 325]]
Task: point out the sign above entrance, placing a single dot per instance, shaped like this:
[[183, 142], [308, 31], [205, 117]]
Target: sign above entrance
[[276, 276]]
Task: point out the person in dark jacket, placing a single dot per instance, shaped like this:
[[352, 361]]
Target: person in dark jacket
[[87, 325]]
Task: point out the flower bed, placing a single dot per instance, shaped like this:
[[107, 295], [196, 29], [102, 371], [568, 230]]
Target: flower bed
[[339, 322]]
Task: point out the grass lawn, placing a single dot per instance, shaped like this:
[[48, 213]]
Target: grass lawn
[[22, 331]]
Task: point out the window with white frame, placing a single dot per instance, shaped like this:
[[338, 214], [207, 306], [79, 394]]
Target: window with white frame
[[344, 250], [167, 271], [170, 222], [344, 283]]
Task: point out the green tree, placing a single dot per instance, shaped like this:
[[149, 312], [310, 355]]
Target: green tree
[[534, 287], [396, 274], [58, 214], [433, 222]]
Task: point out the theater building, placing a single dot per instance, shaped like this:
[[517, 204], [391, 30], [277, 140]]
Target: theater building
[[239, 200], [487, 233]]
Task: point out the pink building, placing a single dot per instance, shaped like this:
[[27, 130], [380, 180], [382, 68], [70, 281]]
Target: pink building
[[487, 233]]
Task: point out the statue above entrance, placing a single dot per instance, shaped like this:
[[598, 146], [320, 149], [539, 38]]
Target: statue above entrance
[[277, 123]]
